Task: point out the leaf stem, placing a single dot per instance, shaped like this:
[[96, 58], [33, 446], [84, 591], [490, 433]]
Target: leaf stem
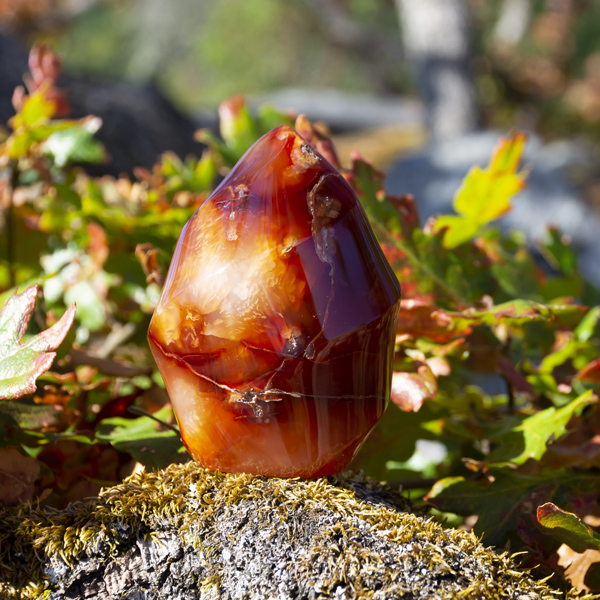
[[136, 410], [461, 304], [10, 255]]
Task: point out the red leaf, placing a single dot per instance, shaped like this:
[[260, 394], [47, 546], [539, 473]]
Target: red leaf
[[409, 390], [317, 137], [17, 476], [591, 372], [422, 318]]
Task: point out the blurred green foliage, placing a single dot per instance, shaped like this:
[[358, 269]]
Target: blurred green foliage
[[200, 52], [207, 51]]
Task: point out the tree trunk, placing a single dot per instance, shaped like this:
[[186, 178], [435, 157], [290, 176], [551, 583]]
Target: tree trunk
[[187, 533], [512, 23], [436, 36]]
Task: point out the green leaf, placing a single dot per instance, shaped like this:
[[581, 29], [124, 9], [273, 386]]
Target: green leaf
[[567, 528], [588, 325], [76, 144], [205, 172], [28, 415], [516, 275], [368, 185], [35, 109], [573, 350], [559, 252], [497, 504], [91, 311], [270, 117], [531, 437], [237, 126], [514, 312], [502, 503], [144, 439], [485, 193], [458, 229], [393, 439], [22, 364]]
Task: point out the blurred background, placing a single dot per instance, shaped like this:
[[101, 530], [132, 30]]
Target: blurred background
[[422, 88]]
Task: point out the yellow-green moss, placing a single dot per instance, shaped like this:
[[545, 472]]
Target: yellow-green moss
[[191, 498]]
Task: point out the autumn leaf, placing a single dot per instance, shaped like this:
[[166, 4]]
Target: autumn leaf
[[411, 389], [582, 569], [422, 318], [17, 476], [317, 137], [485, 193], [591, 372], [567, 527], [22, 364]]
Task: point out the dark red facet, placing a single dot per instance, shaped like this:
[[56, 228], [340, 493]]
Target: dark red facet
[[275, 329]]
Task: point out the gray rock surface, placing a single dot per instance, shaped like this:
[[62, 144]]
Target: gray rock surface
[[188, 533], [344, 111]]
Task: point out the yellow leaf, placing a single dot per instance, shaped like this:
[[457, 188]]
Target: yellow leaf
[[35, 109], [459, 230], [485, 194]]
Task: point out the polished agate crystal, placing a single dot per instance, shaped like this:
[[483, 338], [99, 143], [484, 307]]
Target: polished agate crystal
[[275, 329]]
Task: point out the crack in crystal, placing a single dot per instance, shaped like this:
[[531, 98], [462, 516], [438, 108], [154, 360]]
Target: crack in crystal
[[253, 395], [323, 208]]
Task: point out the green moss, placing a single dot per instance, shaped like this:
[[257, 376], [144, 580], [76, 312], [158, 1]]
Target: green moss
[[197, 503]]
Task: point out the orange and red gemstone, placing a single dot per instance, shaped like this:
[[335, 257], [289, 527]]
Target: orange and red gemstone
[[275, 330]]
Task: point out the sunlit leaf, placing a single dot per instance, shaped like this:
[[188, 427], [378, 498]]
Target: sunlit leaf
[[567, 528], [581, 569], [517, 312], [530, 438], [22, 364], [422, 318], [588, 325], [485, 194], [76, 144], [144, 438], [35, 109], [411, 389]]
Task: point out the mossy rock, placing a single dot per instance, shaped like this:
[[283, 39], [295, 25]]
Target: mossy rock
[[186, 532]]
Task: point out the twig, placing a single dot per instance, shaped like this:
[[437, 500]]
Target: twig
[[10, 251], [136, 410], [461, 304], [79, 358], [118, 335]]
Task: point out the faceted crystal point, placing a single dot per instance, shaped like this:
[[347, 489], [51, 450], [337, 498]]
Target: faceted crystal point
[[275, 330]]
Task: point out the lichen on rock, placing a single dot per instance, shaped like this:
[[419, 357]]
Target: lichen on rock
[[187, 532]]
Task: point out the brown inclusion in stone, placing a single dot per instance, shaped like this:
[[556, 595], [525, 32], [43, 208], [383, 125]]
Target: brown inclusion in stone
[[275, 330]]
